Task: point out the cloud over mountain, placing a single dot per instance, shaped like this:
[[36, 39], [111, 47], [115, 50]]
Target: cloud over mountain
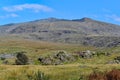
[[114, 17]]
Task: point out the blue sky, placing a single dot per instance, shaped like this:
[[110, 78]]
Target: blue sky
[[15, 11]]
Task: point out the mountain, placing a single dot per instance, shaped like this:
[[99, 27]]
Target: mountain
[[78, 31]]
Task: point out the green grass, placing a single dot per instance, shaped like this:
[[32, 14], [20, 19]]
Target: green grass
[[69, 71], [60, 72]]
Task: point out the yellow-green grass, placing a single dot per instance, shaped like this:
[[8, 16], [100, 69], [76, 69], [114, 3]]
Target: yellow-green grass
[[34, 49], [60, 72], [71, 71]]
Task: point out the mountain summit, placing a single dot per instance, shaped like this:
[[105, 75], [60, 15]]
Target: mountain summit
[[85, 19], [86, 31]]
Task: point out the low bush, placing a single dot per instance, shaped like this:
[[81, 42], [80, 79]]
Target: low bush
[[22, 59], [111, 75]]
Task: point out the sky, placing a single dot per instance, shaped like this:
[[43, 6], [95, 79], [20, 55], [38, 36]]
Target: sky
[[16, 11]]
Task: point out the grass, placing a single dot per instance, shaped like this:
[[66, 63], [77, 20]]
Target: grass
[[34, 49], [71, 71], [60, 72]]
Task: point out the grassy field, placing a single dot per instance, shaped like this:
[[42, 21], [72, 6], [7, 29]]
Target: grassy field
[[70, 71], [60, 72]]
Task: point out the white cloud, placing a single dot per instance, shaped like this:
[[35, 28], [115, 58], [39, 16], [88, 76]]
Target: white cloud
[[13, 15], [113, 17], [34, 7], [9, 15]]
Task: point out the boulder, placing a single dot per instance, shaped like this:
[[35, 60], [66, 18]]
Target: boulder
[[115, 61], [86, 54], [57, 58]]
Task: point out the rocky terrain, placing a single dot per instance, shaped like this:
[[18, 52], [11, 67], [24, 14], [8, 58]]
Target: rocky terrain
[[84, 31]]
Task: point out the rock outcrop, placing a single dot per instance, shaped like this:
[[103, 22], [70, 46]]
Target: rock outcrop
[[57, 58]]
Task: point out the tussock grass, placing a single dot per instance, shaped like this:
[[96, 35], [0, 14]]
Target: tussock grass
[[71, 71], [60, 72]]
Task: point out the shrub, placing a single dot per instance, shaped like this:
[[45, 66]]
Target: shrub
[[111, 75], [3, 58], [22, 59], [96, 76]]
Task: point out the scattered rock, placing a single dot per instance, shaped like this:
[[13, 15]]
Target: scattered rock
[[85, 54], [115, 61], [58, 58], [89, 54], [6, 55]]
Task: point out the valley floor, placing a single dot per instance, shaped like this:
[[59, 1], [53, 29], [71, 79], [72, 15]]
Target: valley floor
[[67, 71]]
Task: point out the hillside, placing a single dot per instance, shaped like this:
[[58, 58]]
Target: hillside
[[73, 65], [84, 31]]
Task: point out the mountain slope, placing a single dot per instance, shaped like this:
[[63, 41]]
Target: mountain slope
[[83, 31]]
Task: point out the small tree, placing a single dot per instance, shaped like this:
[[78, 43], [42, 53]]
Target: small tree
[[22, 59]]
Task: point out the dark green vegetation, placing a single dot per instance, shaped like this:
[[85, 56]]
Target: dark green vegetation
[[22, 59]]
